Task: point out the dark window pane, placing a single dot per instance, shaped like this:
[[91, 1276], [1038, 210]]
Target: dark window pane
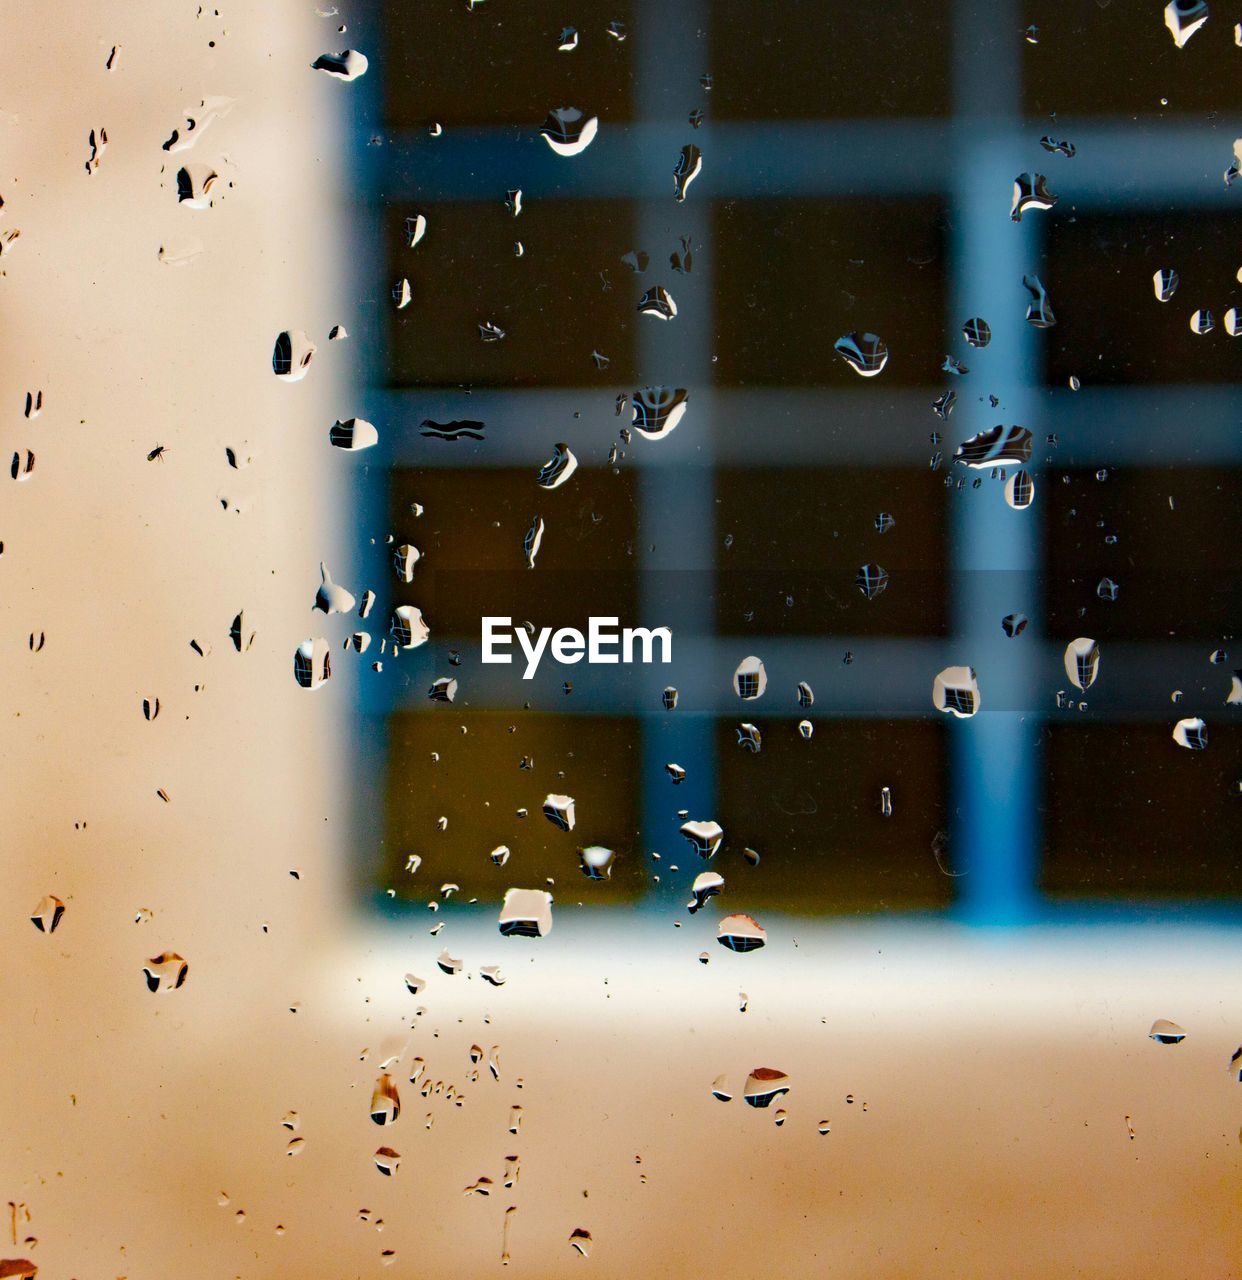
[[566, 296], [1129, 814], [1119, 59], [812, 812], [471, 534], [804, 59], [1110, 327], [478, 785], [499, 64], [1176, 566], [794, 275], [805, 534]]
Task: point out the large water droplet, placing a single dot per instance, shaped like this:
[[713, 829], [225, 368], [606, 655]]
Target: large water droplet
[[165, 972], [1030, 191], [865, 353], [346, 66], [46, 916], [526, 913], [312, 664], [1165, 1032], [657, 410], [871, 580], [560, 811], [956, 690], [688, 166], [558, 468], [741, 933], [1164, 283], [750, 679], [569, 131], [1191, 733], [997, 444], [292, 355], [1082, 662], [331, 598], [385, 1101], [764, 1085], [1183, 18]]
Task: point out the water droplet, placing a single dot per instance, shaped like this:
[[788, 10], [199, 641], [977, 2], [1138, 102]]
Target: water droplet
[[46, 916], [559, 811], [806, 729], [707, 884], [1030, 191], [658, 410], [312, 664], [1191, 733], [977, 332], [558, 468], [1082, 662], [569, 131], [194, 184], [748, 736], [1039, 311], [956, 690], [408, 628], [865, 353], [1202, 322], [1164, 283], [385, 1101], [657, 302], [688, 167], [1054, 145], [668, 698], [401, 293], [705, 837], [165, 972], [415, 229], [1014, 624], [1183, 18], [526, 913], [1107, 589], [1165, 1032], [886, 802], [331, 598], [741, 933], [292, 355], [567, 41], [1020, 490], [23, 465], [596, 861], [404, 558], [750, 679], [352, 434], [871, 580], [764, 1085], [997, 444], [346, 66], [387, 1161], [490, 973]]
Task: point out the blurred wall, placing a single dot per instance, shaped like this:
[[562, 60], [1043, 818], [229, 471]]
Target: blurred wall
[[143, 1133]]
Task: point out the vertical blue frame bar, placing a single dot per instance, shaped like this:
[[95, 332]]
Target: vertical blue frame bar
[[995, 551]]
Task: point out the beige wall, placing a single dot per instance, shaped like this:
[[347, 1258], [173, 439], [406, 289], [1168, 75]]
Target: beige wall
[[997, 1073]]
